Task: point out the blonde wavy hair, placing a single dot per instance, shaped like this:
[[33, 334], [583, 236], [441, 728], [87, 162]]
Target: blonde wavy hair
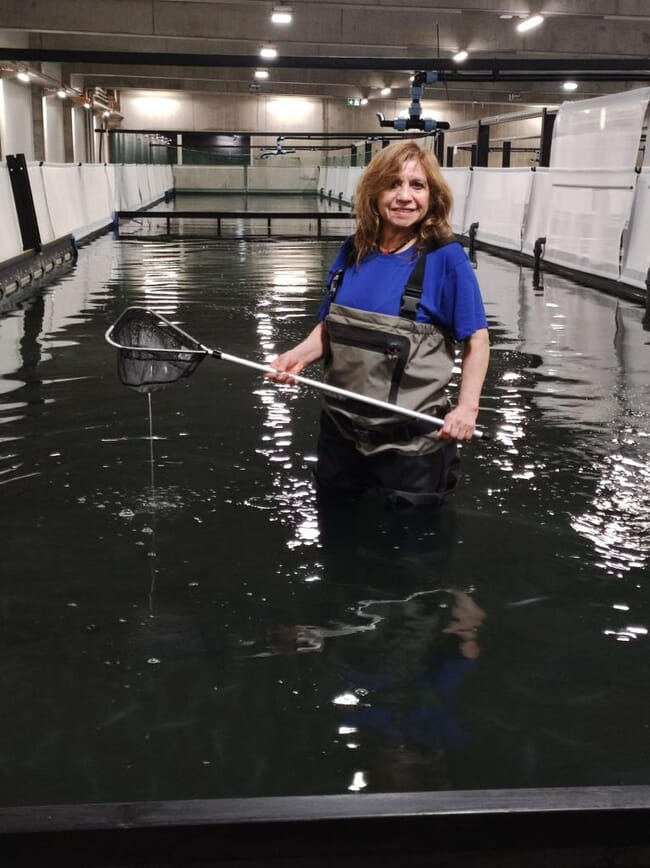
[[383, 169]]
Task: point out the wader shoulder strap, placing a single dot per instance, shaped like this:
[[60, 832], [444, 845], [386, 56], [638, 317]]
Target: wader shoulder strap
[[413, 289], [348, 259]]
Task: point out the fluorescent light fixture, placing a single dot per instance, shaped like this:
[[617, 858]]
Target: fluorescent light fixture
[[282, 14], [296, 108], [461, 56], [570, 85], [363, 101], [269, 53], [23, 76], [261, 73], [61, 93], [386, 90], [157, 106], [87, 105], [530, 23]]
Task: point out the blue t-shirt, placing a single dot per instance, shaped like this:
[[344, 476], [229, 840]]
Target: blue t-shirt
[[451, 296]]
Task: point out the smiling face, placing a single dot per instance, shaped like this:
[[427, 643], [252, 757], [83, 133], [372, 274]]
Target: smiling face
[[406, 202]]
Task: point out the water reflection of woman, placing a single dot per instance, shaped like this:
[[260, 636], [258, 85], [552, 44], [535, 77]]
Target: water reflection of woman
[[400, 680], [412, 722]]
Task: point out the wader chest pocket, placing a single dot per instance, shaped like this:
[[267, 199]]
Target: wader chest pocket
[[379, 357]]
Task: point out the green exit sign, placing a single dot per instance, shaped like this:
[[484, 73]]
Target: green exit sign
[[353, 102]]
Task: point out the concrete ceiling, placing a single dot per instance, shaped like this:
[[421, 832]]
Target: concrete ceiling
[[338, 49]]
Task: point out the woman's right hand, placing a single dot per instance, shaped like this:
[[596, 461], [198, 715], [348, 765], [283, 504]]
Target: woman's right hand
[[297, 358], [286, 364]]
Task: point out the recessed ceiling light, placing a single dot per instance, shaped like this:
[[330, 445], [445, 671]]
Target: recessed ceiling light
[[282, 14], [269, 53], [529, 23], [386, 90], [363, 101], [461, 56], [61, 93], [23, 76], [570, 85], [261, 73]]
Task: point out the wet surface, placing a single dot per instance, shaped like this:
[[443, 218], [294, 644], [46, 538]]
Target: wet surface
[[181, 619]]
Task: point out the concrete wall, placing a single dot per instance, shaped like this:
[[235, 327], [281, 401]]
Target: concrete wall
[[260, 113], [175, 110]]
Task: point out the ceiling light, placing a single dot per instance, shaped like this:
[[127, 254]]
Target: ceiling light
[[23, 76], [282, 14], [461, 56], [61, 93], [529, 23], [269, 53], [385, 91], [261, 73], [570, 85], [363, 101]]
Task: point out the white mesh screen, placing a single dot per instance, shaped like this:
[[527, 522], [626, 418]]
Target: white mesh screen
[[636, 259], [537, 216], [459, 181], [498, 200], [601, 133], [588, 213], [11, 243]]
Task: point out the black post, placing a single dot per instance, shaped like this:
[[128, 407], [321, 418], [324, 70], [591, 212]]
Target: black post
[[368, 153], [24, 200], [450, 156], [538, 251], [482, 144], [505, 155], [471, 252], [473, 156], [353, 155], [548, 120], [439, 146]]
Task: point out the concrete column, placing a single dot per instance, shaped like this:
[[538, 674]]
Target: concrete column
[[38, 127], [68, 135]]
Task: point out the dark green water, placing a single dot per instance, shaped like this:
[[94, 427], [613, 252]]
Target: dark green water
[[194, 627]]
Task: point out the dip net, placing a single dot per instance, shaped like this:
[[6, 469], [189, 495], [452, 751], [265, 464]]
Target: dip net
[[152, 352]]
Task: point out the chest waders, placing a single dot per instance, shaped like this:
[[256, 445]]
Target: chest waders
[[394, 359]]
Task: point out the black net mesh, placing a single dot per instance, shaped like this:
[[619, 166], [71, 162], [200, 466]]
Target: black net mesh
[[153, 353]]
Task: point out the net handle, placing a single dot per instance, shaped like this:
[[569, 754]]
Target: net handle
[[342, 393], [268, 369]]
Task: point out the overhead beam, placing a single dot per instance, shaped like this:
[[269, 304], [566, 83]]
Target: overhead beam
[[633, 67]]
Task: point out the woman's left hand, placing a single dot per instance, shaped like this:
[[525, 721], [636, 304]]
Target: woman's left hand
[[459, 424]]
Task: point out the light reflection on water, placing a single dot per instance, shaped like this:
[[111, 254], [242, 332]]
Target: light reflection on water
[[293, 498], [618, 520]]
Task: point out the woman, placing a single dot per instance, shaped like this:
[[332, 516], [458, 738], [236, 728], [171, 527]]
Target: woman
[[401, 295]]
